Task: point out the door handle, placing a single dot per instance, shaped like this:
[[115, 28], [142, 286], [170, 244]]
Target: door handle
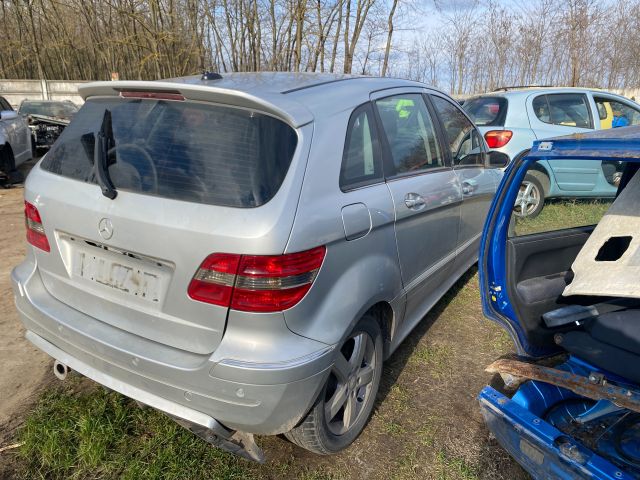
[[414, 201], [468, 188]]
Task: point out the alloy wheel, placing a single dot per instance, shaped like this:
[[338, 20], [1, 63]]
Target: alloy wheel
[[529, 197], [350, 384]]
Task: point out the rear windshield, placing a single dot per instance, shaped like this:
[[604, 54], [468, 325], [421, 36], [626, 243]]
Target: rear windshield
[[487, 111], [180, 150]]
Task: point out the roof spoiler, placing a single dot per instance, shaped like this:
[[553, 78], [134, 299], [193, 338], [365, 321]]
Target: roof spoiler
[[290, 111]]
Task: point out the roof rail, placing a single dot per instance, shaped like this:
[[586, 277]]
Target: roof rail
[[515, 87]]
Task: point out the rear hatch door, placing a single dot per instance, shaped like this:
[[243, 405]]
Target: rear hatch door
[[192, 179]]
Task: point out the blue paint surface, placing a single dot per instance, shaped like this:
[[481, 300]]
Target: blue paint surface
[[537, 424]]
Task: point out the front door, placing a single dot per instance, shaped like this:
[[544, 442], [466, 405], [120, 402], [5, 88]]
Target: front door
[[426, 195], [466, 148]]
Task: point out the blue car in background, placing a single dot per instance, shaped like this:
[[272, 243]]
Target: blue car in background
[[512, 118], [568, 405]]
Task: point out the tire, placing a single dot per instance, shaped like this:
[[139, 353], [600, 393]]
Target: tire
[[323, 435], [530, 200]]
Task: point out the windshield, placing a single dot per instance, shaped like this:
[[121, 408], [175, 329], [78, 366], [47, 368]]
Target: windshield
[[180, 150], [487, 111], [49, 109]]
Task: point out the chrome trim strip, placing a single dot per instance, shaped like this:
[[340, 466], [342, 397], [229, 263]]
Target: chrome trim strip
[[293, 363]]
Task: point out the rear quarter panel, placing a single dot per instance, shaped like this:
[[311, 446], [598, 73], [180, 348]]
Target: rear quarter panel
[[356, 274]]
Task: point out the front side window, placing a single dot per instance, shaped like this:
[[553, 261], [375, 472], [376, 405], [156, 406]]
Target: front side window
[[461, 135], [565, 109], [615, 114], [411, 134], [361, 164]]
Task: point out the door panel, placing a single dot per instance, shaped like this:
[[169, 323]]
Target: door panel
[[426, 234], [478, 184], [426, 194], [538, 269]]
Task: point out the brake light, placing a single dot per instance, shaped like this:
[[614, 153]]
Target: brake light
[[35, 230], [498, 138], [152, 95], [256, 283]]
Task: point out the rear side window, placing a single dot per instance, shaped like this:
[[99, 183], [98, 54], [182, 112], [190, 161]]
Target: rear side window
[[361, 162], [566, 109], [411, 134], [461, 135], [487, 111], [181, 150]]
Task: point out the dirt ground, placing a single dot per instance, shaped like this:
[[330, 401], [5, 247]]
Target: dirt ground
[[426, 423], [25, 368]]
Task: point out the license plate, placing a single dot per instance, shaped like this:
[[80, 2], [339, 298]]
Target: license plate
[[125, 278], [51, 128]]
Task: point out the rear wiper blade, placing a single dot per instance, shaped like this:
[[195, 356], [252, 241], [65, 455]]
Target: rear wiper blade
[[104, 143]]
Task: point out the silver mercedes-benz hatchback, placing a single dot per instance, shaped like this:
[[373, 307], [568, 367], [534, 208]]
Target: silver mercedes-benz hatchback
[[242, 252]]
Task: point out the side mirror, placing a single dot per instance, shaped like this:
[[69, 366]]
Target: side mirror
[[8, 115], [497, 159]]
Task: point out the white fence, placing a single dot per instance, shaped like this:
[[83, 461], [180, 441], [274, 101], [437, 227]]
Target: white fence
[[17, 90]]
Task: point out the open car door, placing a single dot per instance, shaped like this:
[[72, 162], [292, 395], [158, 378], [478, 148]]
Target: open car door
[[569, 406]]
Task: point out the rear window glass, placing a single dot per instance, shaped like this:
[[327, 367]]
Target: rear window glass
[[180, 150], [487, 111]]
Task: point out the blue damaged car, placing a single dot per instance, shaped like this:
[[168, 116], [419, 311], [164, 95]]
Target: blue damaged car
[[564, 286]]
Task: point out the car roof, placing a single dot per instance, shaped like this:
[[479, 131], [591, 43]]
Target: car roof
[[509, 92], [614, 143], [296, 97]]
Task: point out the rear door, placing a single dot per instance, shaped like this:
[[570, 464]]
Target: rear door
[[425, 190], [466, 149], [217, 184]]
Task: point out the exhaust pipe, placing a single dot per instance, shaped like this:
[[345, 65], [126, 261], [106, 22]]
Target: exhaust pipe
[[60, 370]]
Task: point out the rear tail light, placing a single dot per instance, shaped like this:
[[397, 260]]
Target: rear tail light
[[498, 138], [256, 283], [35, 230]]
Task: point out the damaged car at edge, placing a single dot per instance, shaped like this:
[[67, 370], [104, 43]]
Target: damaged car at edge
[[47, 119], [568, 295]]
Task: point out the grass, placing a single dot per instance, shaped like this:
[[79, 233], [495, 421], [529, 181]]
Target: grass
[[450, 468], [559, 214], [436, 356], [98, 434]]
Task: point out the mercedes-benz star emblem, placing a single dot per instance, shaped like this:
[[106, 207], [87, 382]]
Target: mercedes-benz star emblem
[[105, 228]]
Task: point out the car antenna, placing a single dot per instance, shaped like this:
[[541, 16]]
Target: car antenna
[[207, 75]]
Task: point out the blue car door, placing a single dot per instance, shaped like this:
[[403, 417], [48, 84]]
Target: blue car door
[[526, 263]]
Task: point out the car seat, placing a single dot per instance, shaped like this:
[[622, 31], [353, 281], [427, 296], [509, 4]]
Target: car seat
[[610, 341]]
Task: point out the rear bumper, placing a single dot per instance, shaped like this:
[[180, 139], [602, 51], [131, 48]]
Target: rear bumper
[[252, 398], [544, 451]]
